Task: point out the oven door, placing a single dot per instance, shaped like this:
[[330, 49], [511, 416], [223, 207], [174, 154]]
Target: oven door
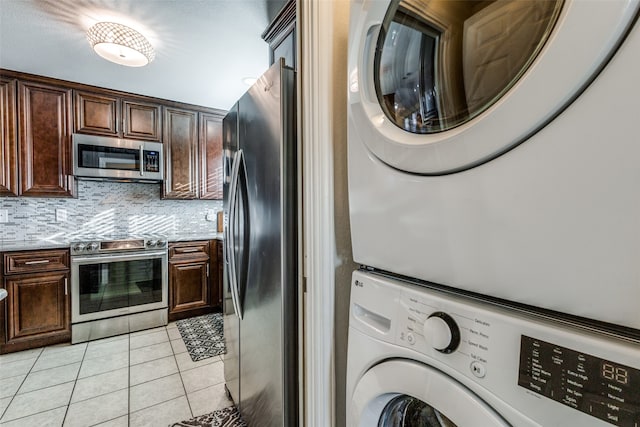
[[112, 285]]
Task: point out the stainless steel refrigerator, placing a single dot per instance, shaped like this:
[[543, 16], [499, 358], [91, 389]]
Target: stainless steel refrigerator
[[260, 293]]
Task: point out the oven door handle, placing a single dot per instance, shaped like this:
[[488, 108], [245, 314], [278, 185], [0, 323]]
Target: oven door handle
[[112, 257], [233, 275]]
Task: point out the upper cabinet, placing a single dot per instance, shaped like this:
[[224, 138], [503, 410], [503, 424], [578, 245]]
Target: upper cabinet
[[193, 154], [210, 150], [107, 114], [8, 138], [281, 36], [180, 139], [39, 115], [141, 120], [44, 140]]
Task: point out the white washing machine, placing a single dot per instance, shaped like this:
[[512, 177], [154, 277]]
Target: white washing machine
[[423, 357], [494, 147]]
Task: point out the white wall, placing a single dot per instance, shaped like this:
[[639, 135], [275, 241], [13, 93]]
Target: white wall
[[324, 34]]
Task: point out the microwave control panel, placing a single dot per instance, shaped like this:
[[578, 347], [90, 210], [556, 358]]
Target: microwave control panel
[[151, 161]]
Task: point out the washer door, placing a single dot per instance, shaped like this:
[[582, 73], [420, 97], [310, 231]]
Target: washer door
[[440, 86], [408, 394]]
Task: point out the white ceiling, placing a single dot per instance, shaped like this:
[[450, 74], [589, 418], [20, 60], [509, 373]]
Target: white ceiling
[[203, 48]]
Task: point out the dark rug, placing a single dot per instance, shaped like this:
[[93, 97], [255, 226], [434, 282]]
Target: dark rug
[[203, 335], [227, 417]]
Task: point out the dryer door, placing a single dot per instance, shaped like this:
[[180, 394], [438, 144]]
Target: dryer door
[[408, 394], [440, 86]]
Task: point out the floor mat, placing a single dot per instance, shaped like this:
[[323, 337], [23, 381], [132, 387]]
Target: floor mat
[[203, 335], [227, 417]]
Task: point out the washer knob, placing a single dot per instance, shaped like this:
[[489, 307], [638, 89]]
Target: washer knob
[[161, 243], [152, 242], [78, 247], [93, 247], [442, 332]]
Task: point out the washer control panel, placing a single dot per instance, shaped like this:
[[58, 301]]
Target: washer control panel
[[602, 388], [425, 326], [551, 372]]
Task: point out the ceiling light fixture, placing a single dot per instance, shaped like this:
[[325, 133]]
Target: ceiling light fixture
[[120, 44]]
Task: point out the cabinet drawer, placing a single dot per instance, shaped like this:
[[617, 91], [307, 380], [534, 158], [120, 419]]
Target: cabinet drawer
[[34, 262], [188, 250]]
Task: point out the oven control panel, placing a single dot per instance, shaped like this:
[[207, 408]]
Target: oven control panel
[[122, 245]]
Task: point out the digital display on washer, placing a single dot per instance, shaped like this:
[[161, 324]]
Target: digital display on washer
[[601, 388]]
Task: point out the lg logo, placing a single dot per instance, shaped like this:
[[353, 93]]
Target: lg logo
[[359, 284]]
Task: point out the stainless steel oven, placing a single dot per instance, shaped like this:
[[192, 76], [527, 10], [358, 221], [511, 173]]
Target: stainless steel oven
[[117, 286]]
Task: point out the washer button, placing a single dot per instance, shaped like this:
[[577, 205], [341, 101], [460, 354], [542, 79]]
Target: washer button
[[411, 339], [478, 369]]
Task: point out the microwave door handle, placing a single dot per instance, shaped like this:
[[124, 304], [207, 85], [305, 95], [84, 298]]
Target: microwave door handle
[[141, 160]]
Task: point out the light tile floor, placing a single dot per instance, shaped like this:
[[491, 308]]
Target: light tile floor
[[145, 378]]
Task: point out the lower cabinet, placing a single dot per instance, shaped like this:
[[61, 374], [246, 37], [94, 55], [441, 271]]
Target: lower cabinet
[[37, 310], [193, 277]]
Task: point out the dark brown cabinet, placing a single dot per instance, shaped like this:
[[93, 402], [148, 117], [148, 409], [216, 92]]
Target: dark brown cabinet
[[190, 290], [8, 138], [107, 114], [39, 115], [37, 308], [97, 114], [142, 121], [193, 154], [44, 135], [281, 36], [180, 140], [210, 151]]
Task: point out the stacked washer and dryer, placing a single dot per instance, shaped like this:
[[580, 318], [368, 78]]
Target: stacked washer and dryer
[[494, 168]]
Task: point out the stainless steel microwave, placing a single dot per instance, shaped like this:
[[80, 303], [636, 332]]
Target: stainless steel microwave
[[105, 158]]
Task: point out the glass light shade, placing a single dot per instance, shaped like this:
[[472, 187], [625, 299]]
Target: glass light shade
[[120, 44]]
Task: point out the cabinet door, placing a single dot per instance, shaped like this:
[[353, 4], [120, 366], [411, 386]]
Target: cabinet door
[[37, 306], [45, 124], [97, 114], [8, 138], [188, 285], [210, 157], [180, 154], [142, 121]]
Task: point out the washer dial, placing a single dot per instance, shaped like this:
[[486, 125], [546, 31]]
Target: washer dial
[[442, 332]]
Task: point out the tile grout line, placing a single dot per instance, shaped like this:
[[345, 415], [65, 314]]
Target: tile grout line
[[66, 412], [186, 395], [18, 389]]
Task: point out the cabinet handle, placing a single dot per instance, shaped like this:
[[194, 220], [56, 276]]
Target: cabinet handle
[[207, 270], [190, 250], [44, 261], [66, 281]]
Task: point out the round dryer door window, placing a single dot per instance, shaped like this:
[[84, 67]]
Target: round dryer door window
[[403, 393], [440, 86]]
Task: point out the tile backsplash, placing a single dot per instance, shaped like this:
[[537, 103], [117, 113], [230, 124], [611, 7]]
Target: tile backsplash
[[106, 209]]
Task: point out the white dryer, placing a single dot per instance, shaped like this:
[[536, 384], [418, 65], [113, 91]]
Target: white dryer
[[493, 147], [423, 357]]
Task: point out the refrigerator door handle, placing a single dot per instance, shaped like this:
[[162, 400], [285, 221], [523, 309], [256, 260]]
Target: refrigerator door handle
[[230, 273], [233, 277]]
